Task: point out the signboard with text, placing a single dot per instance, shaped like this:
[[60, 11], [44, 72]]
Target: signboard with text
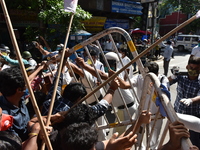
[[122, 23], [126, 7]]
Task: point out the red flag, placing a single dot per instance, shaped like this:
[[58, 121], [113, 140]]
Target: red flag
[[70, 5]]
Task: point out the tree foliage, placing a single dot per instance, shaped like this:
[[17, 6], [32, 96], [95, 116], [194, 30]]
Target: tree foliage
[[52, 18]]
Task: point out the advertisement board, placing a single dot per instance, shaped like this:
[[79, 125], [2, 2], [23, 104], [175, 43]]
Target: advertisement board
[[126, 7]]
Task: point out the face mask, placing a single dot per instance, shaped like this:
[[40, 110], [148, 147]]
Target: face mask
[[193, 73], [198, 44]]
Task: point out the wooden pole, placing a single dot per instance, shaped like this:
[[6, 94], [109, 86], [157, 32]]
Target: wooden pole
[[16, 48], [61, 66]]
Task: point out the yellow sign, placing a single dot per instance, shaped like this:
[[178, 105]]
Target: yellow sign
[[95, 24]]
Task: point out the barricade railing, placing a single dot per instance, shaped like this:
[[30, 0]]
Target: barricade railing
[[148, 87]]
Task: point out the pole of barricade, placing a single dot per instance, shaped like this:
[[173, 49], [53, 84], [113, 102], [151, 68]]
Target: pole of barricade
[[171, 114], [16, 48]]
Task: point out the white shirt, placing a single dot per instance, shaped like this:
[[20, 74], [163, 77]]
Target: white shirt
[[32, 62], [125, 61], [109, 45], [196, 51]]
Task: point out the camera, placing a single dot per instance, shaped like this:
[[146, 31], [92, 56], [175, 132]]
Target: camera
[[175, 71], [34, 43]]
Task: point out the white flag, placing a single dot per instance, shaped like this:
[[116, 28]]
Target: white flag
[[70, 5]]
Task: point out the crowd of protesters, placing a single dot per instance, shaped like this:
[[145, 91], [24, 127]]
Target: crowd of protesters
[[74, 130]]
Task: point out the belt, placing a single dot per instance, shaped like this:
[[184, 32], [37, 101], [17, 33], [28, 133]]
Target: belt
[[128, 105]]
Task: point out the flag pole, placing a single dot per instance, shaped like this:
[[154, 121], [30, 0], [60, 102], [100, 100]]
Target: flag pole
[[61, 67], [16, 48]]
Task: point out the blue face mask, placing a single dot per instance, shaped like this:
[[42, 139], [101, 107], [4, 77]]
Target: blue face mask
[[199, 45]]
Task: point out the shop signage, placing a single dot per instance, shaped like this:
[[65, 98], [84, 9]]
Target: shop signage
[[126, 7]]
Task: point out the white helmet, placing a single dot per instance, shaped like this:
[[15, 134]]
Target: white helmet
[[111, 56]]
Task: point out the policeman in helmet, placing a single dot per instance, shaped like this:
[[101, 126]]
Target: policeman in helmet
[[27, 56]]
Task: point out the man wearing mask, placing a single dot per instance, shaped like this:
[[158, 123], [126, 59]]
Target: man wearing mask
[[188, 93], [196, 50]]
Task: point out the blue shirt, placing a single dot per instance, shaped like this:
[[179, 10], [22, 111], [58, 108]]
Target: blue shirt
[[62, 104], [187, 88], [20, 117]]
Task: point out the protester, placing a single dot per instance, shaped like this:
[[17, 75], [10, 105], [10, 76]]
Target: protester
[[13, 62], [71, 95], [6, 121], [188, 93], [87, 118], [10, 141], [176, 131], [42, 45], [12, 87]]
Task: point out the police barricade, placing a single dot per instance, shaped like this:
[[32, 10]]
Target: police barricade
[[125, 100]]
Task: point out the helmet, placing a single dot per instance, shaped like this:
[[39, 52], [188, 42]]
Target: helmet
[[26, 54], [111, 56], [60, 47], [4, 48]]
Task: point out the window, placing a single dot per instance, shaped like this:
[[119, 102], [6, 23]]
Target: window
[[187, 38], [195, 39], [180, 38]]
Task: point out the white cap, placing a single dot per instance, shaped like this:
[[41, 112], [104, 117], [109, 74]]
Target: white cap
[[111, 56]]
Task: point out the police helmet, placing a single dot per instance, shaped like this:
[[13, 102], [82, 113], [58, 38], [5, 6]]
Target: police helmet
[[111, 56], [26, 54]]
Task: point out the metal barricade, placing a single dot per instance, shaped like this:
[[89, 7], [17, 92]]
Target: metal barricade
[[150, 87]]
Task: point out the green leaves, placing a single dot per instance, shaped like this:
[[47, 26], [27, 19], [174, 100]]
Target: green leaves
[[50, 12]]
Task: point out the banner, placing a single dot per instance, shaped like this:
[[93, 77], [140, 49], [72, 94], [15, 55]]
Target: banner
[[70, 5]]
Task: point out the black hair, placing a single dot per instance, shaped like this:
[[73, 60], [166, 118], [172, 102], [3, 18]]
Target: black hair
[[152, 66], [169, 42], [80, 113], [73, 91], [40, 99], [194, 60], [10, 141], [93, 53], [79, 136], [124, 51], [10, 80]]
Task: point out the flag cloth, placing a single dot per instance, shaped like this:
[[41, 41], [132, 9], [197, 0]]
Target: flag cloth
[[159, 103], [70, 5]]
